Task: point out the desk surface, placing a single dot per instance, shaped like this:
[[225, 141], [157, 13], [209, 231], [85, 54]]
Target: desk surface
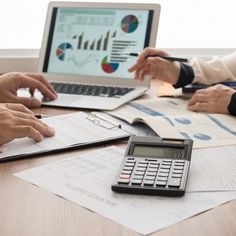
[[28, 210]]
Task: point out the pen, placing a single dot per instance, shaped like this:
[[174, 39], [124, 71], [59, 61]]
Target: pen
[[164, 57], [40, 116]]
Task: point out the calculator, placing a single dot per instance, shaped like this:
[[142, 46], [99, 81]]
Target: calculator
[[154, 166]]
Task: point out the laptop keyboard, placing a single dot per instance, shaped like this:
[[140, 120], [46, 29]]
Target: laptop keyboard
[[91, 90]]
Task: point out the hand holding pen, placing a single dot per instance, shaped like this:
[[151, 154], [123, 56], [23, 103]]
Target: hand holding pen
[[157, 64]]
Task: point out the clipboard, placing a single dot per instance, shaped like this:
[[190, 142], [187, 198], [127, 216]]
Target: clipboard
[[80, 130]]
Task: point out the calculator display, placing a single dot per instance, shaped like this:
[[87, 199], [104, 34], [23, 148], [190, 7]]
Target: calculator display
[[157, 151]]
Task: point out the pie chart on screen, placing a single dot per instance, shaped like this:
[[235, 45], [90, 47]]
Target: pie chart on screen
[[109, 67], [129, 23], [61, 50]]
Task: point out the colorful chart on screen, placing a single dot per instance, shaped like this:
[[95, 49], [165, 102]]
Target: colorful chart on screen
[[129, 23], [61, 50], [109, 67]]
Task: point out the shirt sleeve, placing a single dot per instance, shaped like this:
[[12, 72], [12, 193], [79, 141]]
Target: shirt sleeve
[[214, 71]]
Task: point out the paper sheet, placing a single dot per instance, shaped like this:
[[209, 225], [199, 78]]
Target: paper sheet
[[213, 169], [136, 129], [86, 180], [169, 118], [70, 129]]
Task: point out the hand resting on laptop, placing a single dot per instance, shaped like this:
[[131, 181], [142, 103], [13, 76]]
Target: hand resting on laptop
[[11, 82]]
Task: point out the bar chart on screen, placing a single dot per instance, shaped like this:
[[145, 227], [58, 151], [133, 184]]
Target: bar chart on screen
[[98, 39]]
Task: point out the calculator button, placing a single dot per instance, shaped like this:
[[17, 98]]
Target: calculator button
[[162, 178], [151, 174], [167, 160], [127, 168], [126, 172], [140, 169], [165, 166], [179, 161], [179, 164], [136, 182], [176, 176], [163, 174], [124, 176], [156, 162], [129, 164], [142, 166], [178, 167], [139, 172], [138, 177], [150, 177], [153, 166], [148, 182], [175, 182], [130, 158], [164, 171], [177, 171], [152, 169], [143, 162], [160, 183], [130, 161], [123, 181], [152, 160]]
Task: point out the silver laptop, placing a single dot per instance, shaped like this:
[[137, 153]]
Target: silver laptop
[[84, 51]]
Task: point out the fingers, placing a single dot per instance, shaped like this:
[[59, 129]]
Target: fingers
[[199, 101], [201, 107], [30, 102], [198, 98], [150, 51], [18, 107], [27, 131], [33, 83], [143, 57], [44, 81], [36, 124], [150, 66]]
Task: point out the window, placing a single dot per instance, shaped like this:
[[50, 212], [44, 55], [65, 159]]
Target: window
[[183, 24]]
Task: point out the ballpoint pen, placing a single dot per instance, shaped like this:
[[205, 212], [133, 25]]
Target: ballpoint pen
[[40, 116], [169, 58]]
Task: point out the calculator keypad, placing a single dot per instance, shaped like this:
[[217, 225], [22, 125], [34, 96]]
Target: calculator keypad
[[164, 173]]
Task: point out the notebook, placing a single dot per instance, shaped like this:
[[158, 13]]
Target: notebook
[[83, 51]]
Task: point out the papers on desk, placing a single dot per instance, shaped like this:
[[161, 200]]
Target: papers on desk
[[71, 130], [168, 117], [213, 169], [86, 180]]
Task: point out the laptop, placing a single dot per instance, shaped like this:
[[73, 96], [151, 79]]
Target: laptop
[[84, 51]]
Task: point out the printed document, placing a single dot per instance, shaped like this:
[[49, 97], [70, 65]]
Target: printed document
[[168, 117], [74, 129], [143, 214]]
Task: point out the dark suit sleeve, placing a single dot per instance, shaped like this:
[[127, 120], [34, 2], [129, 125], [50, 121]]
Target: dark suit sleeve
[[186, 75], [232, 105]]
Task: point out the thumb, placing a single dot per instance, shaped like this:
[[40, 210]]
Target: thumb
[[29, 102]]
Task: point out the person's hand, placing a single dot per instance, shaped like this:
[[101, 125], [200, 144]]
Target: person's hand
[[156, 67], [11, 82], [17, 121], [214, 99]]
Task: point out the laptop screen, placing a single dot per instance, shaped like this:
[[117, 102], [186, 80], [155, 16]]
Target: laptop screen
[[95, 41]]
